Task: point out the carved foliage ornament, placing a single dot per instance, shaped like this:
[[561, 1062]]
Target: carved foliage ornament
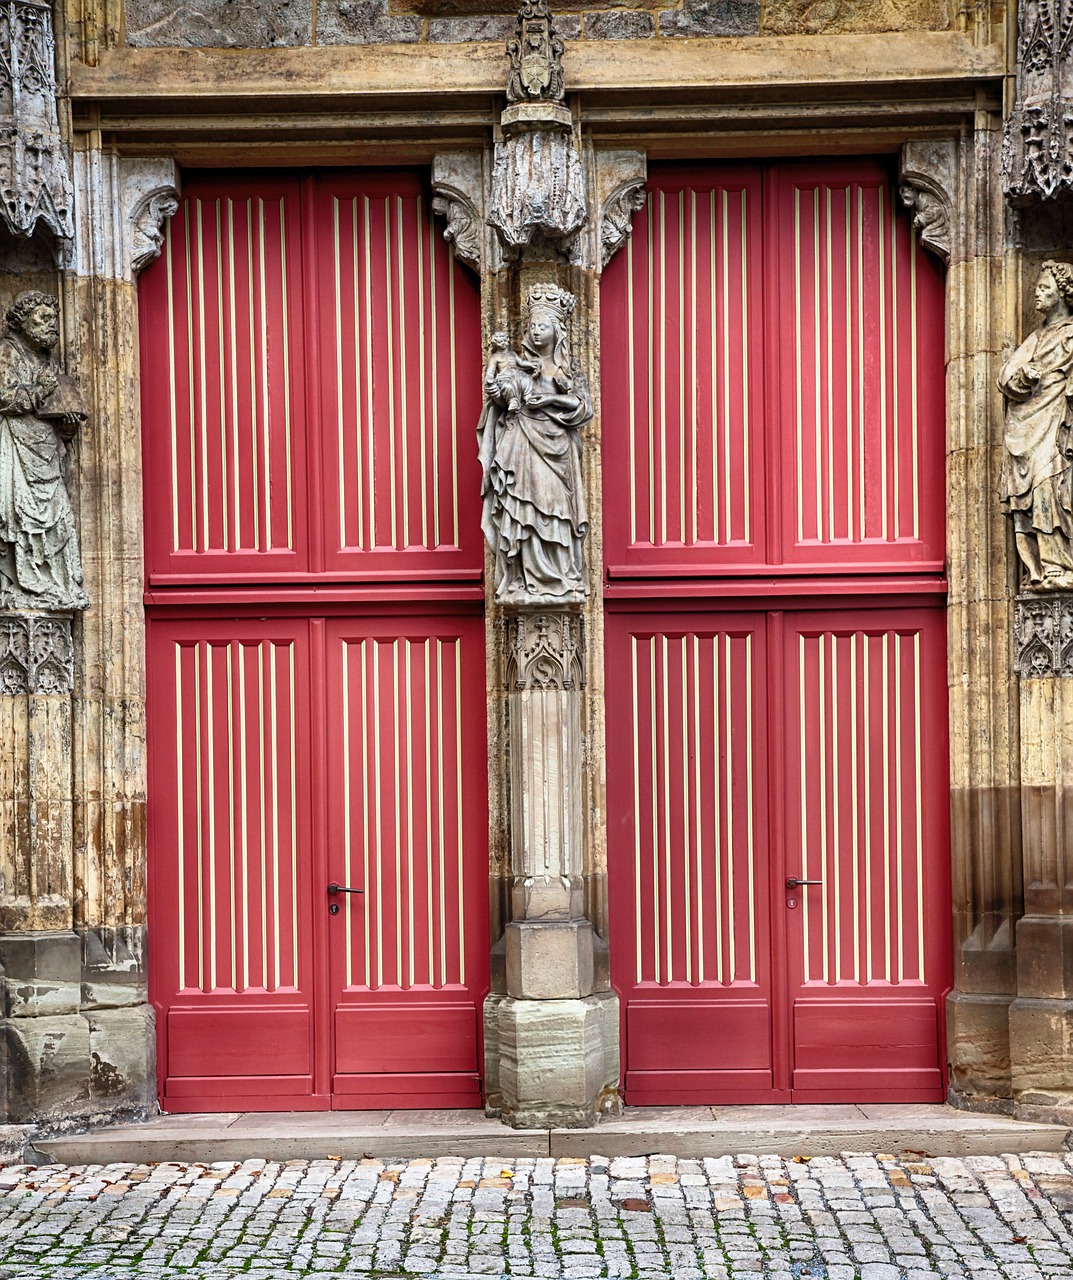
[[617, 217], [536, 56], [545, 651], [36, 654], [1043, 637], [1037, 150], [35, 177]]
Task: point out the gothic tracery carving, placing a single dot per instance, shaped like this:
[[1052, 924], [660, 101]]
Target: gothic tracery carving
[[1043, 637], [36, 654], [1037, 150], [545, 651], [35, 177]]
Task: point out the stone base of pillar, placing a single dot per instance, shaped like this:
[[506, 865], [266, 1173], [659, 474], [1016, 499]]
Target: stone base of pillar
[[549, 960], [557, 1060], [1041, 1049], [978, 1046], [77, 1033]]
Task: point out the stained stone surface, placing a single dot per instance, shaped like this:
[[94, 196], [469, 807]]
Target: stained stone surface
[[805, 17], [219, 24], [364, 22], [712, 18], [855, 1217], [620, 24]]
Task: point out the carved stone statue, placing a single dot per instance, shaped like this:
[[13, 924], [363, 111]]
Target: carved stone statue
[[536, 402], [40, 408], [1037, 382]]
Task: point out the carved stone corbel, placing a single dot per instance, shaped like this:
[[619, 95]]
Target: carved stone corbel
[[123, 204], [929, 187], [35, 164], [620, 183], [458, 183]]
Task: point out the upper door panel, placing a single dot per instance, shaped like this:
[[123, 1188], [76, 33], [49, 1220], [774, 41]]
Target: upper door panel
[[774, 379], [313, 381]]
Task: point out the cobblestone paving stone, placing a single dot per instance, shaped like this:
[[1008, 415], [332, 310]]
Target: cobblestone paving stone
[[861, 1217]]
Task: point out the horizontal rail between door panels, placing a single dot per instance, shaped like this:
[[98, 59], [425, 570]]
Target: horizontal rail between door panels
[[733, 593], [333, 597]]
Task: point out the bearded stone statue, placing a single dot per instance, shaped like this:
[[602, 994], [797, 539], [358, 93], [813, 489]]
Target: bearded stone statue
[[1037, 465], [40, 409]]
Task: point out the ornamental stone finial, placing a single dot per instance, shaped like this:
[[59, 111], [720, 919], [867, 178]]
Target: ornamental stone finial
[[35, 175], [538, 189], [536, 56]]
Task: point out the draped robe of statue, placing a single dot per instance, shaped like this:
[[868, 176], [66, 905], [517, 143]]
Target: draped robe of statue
[[1037, 461], [39, 562], [534, 513]]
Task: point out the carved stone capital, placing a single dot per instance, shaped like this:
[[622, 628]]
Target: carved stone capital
[[620, 181], [929, 188], [545, 650], [1043, 636], [123, 205], [35, 165], [36, 654], [1038, 138], [458, 183]]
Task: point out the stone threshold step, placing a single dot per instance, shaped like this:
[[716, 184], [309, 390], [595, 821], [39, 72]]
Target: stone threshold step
[[681, 1131]]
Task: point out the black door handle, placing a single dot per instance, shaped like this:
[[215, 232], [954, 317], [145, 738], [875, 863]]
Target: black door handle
[[342, 888], [792, 882]]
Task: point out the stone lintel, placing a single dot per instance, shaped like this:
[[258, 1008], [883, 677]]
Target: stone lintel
[[149, 78]]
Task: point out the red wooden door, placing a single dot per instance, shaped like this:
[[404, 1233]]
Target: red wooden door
[[778, 439], [311, 368]]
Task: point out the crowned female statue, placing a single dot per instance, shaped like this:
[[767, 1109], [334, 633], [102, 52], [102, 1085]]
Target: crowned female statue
[[536, 402], [1037, 382]]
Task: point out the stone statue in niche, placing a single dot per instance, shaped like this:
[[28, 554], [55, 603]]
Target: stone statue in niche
[[40, 409], [536, 403]]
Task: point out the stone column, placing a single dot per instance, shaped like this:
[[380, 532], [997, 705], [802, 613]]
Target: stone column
[[539, 217], [952, 186]]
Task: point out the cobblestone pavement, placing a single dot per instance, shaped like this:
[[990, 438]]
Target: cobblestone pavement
[[862, 1217]]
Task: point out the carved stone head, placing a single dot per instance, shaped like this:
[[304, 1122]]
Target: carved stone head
[[37, 317]]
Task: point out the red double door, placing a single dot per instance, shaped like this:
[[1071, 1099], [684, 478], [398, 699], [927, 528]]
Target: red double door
[[317, 746], [777, 759]]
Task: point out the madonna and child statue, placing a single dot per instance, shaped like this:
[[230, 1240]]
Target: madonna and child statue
[[536, 402]]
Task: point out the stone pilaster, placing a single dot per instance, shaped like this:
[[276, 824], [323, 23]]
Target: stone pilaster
[[552, 1020], [953, 187]]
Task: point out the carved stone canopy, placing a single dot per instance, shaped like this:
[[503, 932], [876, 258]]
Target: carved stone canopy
[[1037, 149], [35, 175], [538, 189]]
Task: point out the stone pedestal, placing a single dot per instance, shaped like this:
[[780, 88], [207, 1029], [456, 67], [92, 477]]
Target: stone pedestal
[[1041, 1016], [552, 1038]]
